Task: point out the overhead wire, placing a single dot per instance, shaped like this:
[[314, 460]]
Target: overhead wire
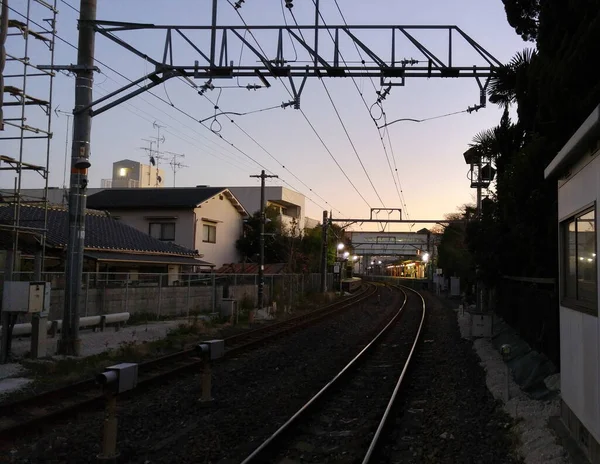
[[399, 186], [311, 125], [301, 111], [395, 178], [281, 164], [170, 103]]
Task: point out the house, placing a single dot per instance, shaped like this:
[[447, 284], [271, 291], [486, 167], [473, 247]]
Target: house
[[110, 246], [290, 204], [133, 174], [206, 219], [577, 169]]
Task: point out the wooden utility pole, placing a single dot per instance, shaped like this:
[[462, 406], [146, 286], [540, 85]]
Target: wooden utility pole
[[80, 153], [261, 267]]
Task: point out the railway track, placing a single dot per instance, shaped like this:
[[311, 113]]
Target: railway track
[[30, 414], [345, 420]]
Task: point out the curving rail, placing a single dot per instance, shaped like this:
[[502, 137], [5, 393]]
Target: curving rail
[[278, 439]]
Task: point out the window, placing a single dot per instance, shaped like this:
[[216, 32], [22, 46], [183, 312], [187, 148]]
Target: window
[[163, 230], [579, 283], [209, 233]]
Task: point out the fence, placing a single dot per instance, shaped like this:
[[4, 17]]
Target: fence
[[531, 307], [159, 295]]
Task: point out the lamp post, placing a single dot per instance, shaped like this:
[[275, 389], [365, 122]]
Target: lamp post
[[481, 174]]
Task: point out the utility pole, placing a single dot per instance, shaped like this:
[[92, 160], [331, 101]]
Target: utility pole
[[80, 153], [324, 254], [261, 267]]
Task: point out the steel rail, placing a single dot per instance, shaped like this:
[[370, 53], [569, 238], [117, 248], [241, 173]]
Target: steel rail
[[258, 454], [82, 394], [371, 452]]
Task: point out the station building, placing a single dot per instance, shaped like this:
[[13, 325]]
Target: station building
[[577, 169]]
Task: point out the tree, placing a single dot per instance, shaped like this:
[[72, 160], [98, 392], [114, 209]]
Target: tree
[[249, 244], [523, 16]]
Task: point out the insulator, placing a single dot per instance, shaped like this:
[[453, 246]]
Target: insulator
[[289, 4]]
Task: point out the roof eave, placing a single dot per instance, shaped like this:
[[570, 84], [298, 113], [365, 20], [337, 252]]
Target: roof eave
[[576, 146]]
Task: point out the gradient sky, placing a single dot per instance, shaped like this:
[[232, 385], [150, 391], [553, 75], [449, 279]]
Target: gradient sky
[[428, 155]]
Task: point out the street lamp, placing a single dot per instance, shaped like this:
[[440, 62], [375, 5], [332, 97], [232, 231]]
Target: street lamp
[[340, 246]]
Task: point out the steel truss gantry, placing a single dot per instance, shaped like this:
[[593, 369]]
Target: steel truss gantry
[[272, 59]]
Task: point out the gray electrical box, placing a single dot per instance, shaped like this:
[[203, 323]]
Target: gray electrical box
[[216, 348], [127, 374], [26, 297]]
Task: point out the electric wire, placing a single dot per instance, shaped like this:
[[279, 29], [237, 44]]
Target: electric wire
[[281, 164], [399, 186], [169, 103], [325, 145], [395, 178]]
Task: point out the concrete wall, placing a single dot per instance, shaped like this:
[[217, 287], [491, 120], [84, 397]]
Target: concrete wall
[[154, 300], [218, 211], [579, 340]]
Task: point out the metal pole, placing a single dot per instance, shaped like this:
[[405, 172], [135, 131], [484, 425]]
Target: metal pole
[[3, 35], [70, 343], [8, 275], [324, 254], [261, 267], [477, 275], [213, 34]]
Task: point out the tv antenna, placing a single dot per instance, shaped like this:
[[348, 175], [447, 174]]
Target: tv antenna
[[175, 164]]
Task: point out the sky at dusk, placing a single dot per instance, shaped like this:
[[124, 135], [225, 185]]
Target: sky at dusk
[[428, 155]]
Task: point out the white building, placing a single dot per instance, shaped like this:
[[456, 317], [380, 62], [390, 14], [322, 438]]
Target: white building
[[207, 219], [577, 167], [291, 204], [133, 174]]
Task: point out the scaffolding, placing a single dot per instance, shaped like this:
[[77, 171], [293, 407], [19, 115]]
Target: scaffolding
[[27, 38], [27, 46]]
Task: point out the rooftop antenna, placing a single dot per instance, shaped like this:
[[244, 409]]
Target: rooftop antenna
[[175, 164], [158, 155]]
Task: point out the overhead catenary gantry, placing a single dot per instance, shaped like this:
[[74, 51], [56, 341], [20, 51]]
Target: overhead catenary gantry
[[401, 56]]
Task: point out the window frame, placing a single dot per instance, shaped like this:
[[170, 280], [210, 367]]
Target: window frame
[[209, 227], [162, 225], [575, 303]]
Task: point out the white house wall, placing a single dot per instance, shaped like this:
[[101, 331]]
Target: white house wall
[[140, 220], [579, 341], [229, 224]]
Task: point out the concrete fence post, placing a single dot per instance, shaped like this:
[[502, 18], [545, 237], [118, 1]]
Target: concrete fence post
[[213, 282], [127, 292], [87, 292], [159, 295], [188, 295]]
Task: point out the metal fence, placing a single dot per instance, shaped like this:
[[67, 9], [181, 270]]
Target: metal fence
[[531, 307], [161, 295]]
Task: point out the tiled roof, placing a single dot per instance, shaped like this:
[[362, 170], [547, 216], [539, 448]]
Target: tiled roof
[[251, 268], [101, 231], [166, 197]]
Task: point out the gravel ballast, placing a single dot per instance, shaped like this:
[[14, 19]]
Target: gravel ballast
[[254, 394], [447, 414]]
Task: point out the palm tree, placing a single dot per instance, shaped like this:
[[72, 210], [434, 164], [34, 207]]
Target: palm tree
[[508, 84], [500, 143]]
